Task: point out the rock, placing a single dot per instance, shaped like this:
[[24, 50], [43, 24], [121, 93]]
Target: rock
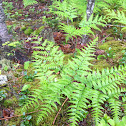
[[3, 79]]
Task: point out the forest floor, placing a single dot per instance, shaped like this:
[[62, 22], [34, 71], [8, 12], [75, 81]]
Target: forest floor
[[23, 22]]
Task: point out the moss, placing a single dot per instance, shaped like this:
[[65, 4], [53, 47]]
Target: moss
[[116, 46], [68, 57], [109, 38], [5, 64], [10, 102], [28, 31], [23, 28], [14, 121], [101, 64], [37, 32], [123, 31], [118, 56], [109, 31]]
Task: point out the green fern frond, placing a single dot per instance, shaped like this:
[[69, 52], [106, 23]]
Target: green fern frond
[[118, 16], [124, 102], [45, 63], [29, 2], [108, 4], [97, 100], [64, 9], [84, 87], [71, 30], [107, 121], [123, 4], [77, 110], [115, 107], [92, 23], [81, 6], [48, 58], [101, 87]]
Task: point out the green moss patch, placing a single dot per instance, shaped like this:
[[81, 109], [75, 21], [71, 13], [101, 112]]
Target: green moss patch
[[116, 46], [102, 64]]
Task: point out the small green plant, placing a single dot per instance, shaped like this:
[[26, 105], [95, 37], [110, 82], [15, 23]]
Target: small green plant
[[24, 94], [7, 6], [29, 2], [30, 77], [16, 15], [123, 60], [99, 57], [26, 15], [110, 53], [51, 21], [13, 46], [32, 10], [26, 120], [117, 33], [107, 121], [3, 94], [28, 31]]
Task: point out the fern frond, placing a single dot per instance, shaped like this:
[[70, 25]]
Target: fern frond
[[100, 88], [64, 9], [45, 63], [92, 23], [124, 102], [119, 17], [71, 30], [77, 110], [84, 87], [81, 6], [115, 107], [48, 59], [72, 78], [97, 100]]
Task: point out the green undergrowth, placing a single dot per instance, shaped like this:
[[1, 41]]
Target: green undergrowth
[[101, 64], [57, 78], [114, 51], [52, 74], [116, 46], [75, 82]]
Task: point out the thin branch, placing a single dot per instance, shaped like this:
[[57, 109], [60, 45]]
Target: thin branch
[[19, 115], [115, 25], [59, 110], [105, 37]]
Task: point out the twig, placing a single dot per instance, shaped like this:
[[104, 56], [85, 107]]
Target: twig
[[59, 110], [19, 115], [115, 25], [105, 37]]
